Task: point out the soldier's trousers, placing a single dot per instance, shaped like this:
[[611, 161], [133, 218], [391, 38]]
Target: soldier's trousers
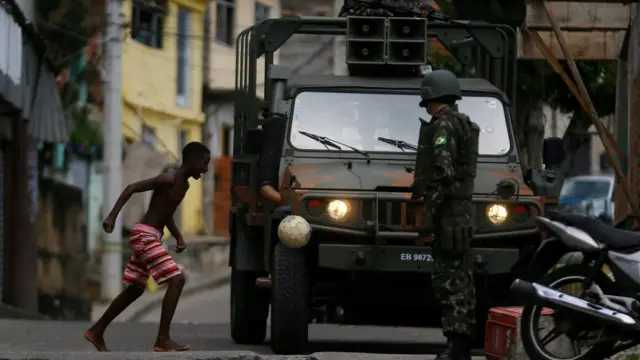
[[454, 288]]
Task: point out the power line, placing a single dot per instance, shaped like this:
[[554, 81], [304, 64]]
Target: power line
[[70, 33], [128, 32], [79, 52], [127, 29], [61, 30], [145, 123], [324, 47], [83, 49]]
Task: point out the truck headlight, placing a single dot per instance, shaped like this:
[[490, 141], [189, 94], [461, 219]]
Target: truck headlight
[[337, 209], [497, 214]]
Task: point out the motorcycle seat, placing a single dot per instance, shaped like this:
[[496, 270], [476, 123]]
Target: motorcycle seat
[[606, 234]]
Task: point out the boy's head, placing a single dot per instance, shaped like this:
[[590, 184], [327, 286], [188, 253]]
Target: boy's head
[[195, 158]]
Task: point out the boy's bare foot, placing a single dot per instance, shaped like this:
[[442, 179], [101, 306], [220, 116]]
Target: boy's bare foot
[[96, 339], [168, 345]]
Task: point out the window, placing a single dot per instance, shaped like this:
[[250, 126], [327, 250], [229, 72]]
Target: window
[[263, 12], [149, 136], [184, 58], [358, 119], [227, 140], [147, 23], [225, 21]]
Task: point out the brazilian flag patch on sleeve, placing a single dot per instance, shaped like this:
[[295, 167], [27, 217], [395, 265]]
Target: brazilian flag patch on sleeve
[[440, 140]]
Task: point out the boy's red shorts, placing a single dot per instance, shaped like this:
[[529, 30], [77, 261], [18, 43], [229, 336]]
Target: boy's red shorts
[[149, 258]]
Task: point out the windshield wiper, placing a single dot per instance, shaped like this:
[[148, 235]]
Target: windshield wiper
[[398, 143], [333, 143]]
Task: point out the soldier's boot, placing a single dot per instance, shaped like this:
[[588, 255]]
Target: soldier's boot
[[458, 348]]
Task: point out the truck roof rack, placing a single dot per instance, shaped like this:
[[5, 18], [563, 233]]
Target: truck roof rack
[[483, 50]]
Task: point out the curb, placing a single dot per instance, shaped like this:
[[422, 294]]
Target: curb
[[206, 355], [209, 284], [12, 312]]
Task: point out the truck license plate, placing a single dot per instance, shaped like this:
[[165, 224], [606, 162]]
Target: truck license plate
[[416, 257]]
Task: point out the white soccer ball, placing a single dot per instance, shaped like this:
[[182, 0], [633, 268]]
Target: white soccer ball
[[294, 231]]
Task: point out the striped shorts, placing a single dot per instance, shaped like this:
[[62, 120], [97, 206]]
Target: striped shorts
[[149, 258]]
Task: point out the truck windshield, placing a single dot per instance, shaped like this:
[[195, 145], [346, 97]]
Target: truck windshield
[[585, 189], [358, 119]]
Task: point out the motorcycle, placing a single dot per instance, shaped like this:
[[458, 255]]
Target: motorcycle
[[604, 315]]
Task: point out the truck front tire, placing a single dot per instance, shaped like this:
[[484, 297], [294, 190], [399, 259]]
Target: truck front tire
[[289, 301], [249, 308]]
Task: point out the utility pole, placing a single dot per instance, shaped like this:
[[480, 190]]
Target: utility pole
[[112, 246]]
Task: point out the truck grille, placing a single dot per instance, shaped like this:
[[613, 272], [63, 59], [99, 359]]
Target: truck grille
[[397, 215]]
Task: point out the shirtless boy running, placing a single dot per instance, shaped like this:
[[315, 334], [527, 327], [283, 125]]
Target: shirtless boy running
[[149, 257]]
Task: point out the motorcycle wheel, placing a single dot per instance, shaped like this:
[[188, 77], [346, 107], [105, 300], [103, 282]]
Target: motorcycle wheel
[[568, 274]]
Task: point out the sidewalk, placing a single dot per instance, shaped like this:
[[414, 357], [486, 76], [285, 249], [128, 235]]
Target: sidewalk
[[150, 301], [11, 312]]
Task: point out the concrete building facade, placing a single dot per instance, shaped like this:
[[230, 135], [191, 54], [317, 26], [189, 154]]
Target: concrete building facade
[[161, 72], [30, 111]]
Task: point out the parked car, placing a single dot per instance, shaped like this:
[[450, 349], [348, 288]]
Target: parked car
[[590, 195]]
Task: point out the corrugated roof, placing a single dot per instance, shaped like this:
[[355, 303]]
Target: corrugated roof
[[36, 94], [47, 120]]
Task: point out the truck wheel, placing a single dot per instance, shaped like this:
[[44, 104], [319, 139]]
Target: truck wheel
[[249, 308], [289, 302]]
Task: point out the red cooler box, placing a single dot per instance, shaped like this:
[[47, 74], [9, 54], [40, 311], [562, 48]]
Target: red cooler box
[[502, 340]]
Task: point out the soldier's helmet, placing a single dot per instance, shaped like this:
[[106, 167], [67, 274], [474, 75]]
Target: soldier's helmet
[[439, 84]]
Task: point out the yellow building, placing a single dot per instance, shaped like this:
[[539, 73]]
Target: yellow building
[[162, 56], [226, 19]]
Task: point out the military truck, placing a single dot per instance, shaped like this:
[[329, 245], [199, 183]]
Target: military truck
[[339, 151]]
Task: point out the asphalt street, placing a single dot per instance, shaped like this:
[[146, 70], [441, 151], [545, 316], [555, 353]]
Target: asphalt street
[[212, 308], [202, 321]]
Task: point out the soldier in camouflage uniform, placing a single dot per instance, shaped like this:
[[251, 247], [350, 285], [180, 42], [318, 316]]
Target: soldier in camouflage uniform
[[444, 177]]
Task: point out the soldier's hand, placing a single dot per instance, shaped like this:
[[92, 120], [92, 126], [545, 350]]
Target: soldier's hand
[[429, 238]]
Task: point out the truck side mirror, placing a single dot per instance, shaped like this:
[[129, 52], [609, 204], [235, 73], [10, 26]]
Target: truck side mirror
[[552, 151], [253, 143]]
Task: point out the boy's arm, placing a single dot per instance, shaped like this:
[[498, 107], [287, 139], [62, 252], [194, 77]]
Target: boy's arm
[[173, 229], [140, 186]]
